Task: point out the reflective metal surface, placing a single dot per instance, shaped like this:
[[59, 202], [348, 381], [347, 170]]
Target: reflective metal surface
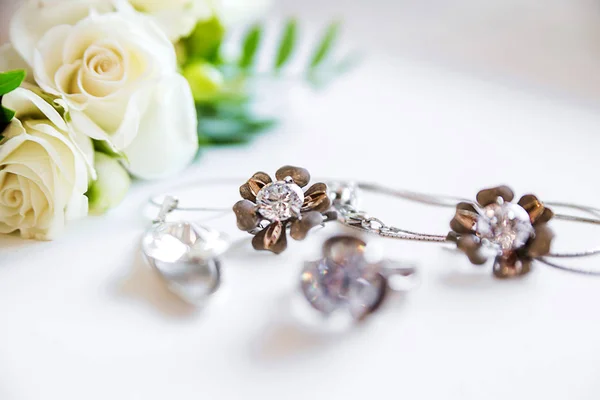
[[185, 255]]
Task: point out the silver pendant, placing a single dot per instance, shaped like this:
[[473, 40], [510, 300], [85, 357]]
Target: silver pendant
[[185, 255]]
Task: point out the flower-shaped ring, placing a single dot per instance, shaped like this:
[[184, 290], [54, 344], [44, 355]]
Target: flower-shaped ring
[[346, 280], [513, 233], [269, 208]]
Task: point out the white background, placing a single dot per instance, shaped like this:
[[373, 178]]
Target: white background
[[84, 318]]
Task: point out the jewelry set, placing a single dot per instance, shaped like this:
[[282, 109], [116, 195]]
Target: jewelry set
[[348, 279]]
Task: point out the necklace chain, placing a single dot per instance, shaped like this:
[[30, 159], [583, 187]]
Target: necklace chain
[[354, 218]]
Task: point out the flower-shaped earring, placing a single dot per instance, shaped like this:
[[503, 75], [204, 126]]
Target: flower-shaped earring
[[269, 208], [513, 233]]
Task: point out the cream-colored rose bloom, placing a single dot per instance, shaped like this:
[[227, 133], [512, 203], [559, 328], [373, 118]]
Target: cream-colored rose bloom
[[43, 176], [234, 11], [116, 74], [35, 17], [177, 18]]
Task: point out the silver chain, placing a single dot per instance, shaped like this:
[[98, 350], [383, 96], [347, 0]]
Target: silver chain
[[350, 216], [354, 218]]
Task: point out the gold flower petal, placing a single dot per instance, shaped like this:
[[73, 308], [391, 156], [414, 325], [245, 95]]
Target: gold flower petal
[[316, 198], [245, 214], [471, 246], [538, 213], [511, 266], [488, 196], [546, 216], [465, 219], [300, 227], [250, 189], [300, 176], [540, 245], [272, 238]]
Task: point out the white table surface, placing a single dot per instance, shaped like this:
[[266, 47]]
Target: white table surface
[[83, 317]]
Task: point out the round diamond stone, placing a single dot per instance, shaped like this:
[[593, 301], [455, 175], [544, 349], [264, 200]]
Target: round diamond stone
[[184, 254], [280, 201], [343, 282], [506, 225]]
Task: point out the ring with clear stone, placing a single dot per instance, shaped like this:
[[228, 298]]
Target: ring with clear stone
[[349, 280], [185, 255]]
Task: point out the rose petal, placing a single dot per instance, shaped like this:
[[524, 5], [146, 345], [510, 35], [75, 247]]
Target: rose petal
[[65, 78], [300, 227], [245, 213], [138, 33], [465, 219], [10, 216], [11, 60], [28, 104], [14, 128], [47, 57], [126, 111], [250, 189], [105, 69], [316, 198], [35, 17], [80, 122], [489, 196], [272, 238], [300, 176], [176, 21], [26, 171], [166, 140]]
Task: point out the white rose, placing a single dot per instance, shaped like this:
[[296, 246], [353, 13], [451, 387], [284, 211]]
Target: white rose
[[11, 60], [177, 18], [43, 176], [116, 74], [235, 11], [35, 17]]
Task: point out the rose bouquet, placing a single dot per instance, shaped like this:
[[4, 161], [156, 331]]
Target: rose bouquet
[[94, 92]]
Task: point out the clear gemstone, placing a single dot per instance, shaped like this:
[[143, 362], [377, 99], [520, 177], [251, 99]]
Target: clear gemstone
[[347, 282], [343, 194], [280, 201], [185, 255], [505, 225]]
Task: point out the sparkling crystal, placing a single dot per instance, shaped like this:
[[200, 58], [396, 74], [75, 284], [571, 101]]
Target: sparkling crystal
[[342, 193], [344, 282], [506, 225], [280, 201], [185, 255]]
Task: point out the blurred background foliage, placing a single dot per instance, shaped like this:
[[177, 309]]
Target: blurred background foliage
[[227, 83]]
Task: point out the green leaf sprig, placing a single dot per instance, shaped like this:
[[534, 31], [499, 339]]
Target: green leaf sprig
[[223, 87], [250, 46], [320, 65], [287, 44]]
